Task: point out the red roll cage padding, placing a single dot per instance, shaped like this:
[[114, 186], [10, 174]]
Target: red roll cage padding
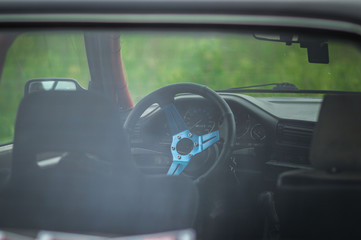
[[106, 68]]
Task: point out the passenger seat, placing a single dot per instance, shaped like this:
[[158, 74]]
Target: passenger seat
[[325, 203]]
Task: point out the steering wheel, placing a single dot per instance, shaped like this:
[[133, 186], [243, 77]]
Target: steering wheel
[[185, 145]]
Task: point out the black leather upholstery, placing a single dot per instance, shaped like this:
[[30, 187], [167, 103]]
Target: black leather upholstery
[[67, 121], [336, 143], [325, 202], [95, 187]]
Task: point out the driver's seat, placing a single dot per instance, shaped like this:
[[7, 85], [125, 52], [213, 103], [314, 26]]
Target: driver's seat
[[94, 187]]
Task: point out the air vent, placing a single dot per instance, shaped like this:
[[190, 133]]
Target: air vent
[[295, 133]]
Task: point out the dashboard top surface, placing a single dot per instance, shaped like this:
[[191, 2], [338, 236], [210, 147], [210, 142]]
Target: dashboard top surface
[[288, 108]]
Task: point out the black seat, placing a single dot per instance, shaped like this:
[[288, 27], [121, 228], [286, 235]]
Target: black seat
[[326, 202], [95, 186]]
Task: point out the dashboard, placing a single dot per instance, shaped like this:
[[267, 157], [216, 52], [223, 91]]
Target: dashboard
[[268, 130]]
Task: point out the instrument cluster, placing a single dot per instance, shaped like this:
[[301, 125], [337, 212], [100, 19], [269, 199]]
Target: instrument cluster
[[202, 118]]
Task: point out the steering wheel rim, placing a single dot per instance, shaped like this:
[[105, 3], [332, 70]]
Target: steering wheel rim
[[165, 97]]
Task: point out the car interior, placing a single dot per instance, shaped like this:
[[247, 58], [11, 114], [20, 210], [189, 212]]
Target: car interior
[[129, 153]]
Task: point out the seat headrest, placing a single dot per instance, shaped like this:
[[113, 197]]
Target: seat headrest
[[336, 143], [67, 121]]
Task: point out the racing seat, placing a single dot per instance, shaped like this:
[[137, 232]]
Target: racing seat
[[72, 171], [326, 202]]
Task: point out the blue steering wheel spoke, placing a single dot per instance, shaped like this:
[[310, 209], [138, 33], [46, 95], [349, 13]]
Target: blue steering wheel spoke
[[209, 139], [198, 145], [174, 119], [177, 167]]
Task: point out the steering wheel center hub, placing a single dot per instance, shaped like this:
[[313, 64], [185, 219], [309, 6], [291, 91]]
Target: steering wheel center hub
[[184, 146]]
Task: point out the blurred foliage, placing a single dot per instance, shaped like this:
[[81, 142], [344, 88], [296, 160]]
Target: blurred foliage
[[38, 56], [154, 60], [223, 61]]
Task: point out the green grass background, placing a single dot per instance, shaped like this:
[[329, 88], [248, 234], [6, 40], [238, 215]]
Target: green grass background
[[223, 61], [154, 60], [38, 56]]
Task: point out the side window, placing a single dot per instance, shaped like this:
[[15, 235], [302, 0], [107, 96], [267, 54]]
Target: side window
[[38, 55]]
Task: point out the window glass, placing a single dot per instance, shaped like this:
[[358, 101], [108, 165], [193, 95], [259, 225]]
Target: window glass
[[155, 59], [38, 55], [233, 60]]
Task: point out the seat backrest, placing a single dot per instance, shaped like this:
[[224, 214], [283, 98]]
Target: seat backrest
[[95, 188], [324, 202], [67, 121], [336, 141]]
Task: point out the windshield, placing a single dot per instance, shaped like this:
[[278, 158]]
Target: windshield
[[87, 115], [223, 61], [150, 60]]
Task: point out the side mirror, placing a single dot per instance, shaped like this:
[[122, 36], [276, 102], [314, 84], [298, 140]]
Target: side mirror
[[51, 84]]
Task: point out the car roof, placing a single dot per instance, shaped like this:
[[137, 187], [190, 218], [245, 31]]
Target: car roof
[[341, 16], [348, 10]]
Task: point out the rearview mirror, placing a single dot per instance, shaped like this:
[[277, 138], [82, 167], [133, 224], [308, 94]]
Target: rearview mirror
[[317, 48], [51, 84]]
